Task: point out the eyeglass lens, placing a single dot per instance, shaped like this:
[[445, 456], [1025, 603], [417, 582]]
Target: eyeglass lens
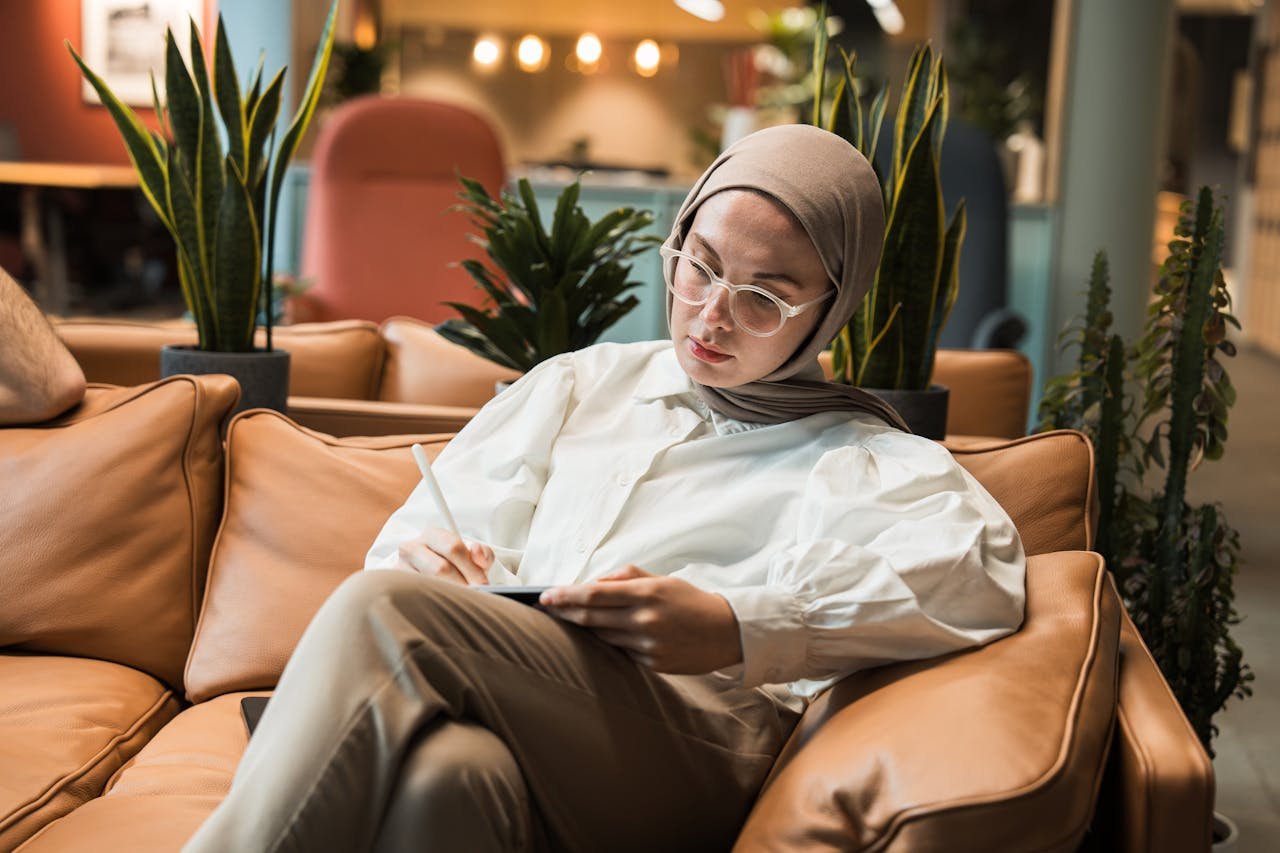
[[692, 281]]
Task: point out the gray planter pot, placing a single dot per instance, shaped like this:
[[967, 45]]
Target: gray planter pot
[[924, 411], [263, 376]]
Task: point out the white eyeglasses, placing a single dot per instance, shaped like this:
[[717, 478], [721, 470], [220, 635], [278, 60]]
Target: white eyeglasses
[[754, 310]]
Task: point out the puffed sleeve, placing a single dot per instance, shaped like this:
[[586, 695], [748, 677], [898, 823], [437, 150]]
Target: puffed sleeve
[[492, 473], [900, 554]]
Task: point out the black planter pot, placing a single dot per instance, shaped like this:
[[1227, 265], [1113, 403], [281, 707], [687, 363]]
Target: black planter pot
[[263, 375], [924, 411]]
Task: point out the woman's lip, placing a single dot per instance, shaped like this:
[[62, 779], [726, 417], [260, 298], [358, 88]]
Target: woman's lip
[[705, 353]]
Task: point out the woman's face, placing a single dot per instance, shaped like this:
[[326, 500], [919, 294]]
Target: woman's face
[[746, 238]]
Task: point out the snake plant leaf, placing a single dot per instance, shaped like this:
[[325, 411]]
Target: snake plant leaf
[[157, 106], [875, 121], [208, 167], [237, 263], [914, 110], [262, 120], [307, 108], [942, 96], [948, 290], [820, 42], [226, 88], [255, 85], [853, 105], [183, 104], [137, 142], [182, 209], [911, 261]]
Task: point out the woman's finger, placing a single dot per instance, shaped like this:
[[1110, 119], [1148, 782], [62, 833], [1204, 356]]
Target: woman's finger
[[454, 550], [424, 561], [593, 617]]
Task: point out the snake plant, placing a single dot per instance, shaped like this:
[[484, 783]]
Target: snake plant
[[214, 173], [1175, 563], [552, 291], [892, 340]]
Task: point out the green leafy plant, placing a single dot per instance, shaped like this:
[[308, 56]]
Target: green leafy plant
[[892, 340], [213, 179], [1175, 563], [552, 292]]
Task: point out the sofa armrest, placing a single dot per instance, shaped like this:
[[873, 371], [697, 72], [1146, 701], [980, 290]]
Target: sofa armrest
[[1158, 794], [997, 748], [340, 418]]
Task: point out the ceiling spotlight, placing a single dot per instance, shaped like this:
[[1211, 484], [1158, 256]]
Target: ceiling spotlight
[[532, 54], [707, 10], [589, 49], [888, 15], [647, 57], [487, 52]]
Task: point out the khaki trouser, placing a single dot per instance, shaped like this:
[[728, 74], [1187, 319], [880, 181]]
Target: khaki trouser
[[418, 714]]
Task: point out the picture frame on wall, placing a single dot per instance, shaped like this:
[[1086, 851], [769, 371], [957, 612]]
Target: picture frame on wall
[[123, 41]]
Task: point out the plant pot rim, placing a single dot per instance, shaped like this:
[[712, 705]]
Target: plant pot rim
[[195, 348]]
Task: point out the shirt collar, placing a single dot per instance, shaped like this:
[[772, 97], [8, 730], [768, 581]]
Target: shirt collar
[[662, 377]]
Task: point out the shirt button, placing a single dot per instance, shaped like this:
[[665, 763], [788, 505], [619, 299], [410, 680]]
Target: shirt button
[[579, 545], [624, 479], [675, 431]]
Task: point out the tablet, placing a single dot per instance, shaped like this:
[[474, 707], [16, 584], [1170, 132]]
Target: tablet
[[523, 594], [251, 708]]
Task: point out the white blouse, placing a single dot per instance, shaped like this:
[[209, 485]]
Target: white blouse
[[839, 542]]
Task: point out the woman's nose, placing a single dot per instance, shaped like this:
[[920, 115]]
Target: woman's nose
[[718, 311]]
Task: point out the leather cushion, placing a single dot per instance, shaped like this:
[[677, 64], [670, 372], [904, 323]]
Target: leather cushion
[[999, 748], [1045, 483], [341, 359], [423, 367], [107, 516], [302, 510], [66, 725], [159, 799]]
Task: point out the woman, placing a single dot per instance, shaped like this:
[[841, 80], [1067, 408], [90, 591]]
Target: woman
[[725, 534]]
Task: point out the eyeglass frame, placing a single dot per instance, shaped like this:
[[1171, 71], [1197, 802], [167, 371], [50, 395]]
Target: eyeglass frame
[[786, 308]]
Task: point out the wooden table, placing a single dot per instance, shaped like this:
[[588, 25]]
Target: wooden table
[[43, 237]]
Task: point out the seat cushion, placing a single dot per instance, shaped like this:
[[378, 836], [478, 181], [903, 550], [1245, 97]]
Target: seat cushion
[[107, 515], [1044, 482], [302, 510], [341, 359], [423, 367], [998, 748], [158, 800], [66, 725]]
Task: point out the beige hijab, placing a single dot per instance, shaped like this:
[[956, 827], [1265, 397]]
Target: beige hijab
[[833, 192]]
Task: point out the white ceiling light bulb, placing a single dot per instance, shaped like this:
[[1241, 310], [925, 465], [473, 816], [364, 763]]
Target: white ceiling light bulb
[[707, 10], [888, 15], [589, 49], [532, 53], [647, 57], [487, 51]]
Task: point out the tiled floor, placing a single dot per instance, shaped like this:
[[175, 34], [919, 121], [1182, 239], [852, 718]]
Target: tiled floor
[[1247, 482]]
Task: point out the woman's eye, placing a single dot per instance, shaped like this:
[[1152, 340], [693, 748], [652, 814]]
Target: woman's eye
[[759, 300]]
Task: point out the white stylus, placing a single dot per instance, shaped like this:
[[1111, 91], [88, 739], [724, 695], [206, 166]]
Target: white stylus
[[420, 456]]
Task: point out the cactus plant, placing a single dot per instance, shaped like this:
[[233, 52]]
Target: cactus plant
[[1175, 563], [892, 340], [211, 177]]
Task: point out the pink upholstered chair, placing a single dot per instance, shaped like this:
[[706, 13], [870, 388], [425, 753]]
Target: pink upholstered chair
[[380, 237]]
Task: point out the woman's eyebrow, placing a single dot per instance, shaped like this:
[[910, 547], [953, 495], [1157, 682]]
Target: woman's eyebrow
[[780, 278]]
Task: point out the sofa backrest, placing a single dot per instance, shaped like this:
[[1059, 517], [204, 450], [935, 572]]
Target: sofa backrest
[[302, 508], [423, 367], [107, 515], [990, 390], [341, 359]]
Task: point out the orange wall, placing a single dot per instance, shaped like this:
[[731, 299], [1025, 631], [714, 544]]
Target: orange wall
[[40, 86]]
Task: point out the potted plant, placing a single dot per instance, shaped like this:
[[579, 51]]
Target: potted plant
[[1174, 562], [213, 174], [890, 344], [551, 292]]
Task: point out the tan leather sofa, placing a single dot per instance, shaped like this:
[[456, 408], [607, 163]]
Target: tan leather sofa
[[153, 575], [354, 378]]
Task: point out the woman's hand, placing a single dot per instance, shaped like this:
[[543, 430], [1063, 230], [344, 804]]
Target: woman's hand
[[441, 554], [664, 623]]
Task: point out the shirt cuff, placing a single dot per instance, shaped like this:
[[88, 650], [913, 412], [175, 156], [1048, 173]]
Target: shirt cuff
[[771, 626]]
